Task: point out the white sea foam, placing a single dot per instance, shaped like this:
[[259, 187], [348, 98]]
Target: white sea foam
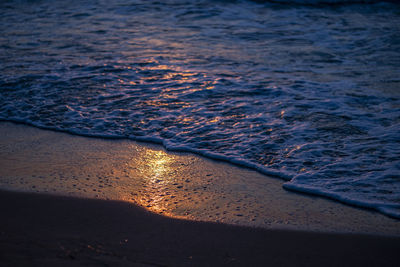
[[307, 94]]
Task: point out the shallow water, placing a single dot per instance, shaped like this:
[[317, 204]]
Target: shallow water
[[307, 93]]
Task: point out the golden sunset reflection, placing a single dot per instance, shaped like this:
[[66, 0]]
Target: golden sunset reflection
[[156, 170], [157, 164], [158, 103], [176, 80], [214, 120]]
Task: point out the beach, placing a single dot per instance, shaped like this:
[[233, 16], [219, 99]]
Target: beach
[[199, 133], [48, 221], [307, 94], [43, 230]]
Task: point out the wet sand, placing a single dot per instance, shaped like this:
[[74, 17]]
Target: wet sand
[[181, 185], [71, 200]]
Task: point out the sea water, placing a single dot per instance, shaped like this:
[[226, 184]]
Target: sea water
[[308, 91]]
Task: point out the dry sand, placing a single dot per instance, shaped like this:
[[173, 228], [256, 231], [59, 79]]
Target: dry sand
[[62, 223], [44, 230]]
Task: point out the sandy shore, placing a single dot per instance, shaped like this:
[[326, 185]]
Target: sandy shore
[[181, 185], [74, 201], [44, 230]]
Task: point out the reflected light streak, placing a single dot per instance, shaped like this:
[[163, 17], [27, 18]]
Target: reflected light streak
[[177, 82], [158, 103], [156, 164], [156, 169]]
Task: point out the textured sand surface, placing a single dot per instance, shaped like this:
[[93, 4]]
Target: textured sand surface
[[44, 230], [180, 185]]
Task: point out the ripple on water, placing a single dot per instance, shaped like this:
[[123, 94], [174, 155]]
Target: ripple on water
[[304, 93]]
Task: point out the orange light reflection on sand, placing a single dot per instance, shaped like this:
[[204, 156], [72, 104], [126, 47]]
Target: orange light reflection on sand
[[155, 167]]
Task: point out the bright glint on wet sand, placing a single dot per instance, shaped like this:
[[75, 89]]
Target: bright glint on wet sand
[[199, 132]]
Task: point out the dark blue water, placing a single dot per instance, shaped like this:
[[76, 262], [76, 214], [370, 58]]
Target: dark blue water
[[310, 94]]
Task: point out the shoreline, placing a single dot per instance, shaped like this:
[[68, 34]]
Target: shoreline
[[238, 163], [57, 219], [180, 185]]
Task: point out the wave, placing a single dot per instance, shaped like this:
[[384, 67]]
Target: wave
[[324, 2]]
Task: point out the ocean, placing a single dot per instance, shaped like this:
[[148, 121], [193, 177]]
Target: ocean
[[306, 91]]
